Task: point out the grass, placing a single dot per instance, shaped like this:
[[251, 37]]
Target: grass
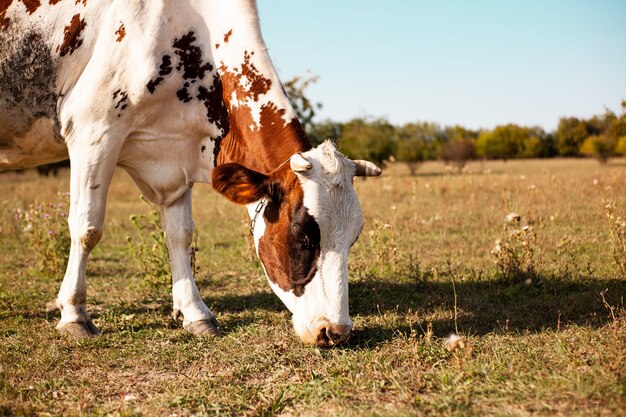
[[550, 343]]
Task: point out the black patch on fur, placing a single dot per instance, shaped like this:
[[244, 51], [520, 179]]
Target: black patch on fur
[[152, 84], [183, 94], [121, 102], [304, 236], [303, 239], [190, 57], [27, 84], [164, 70], [166, 66], [193, 68]]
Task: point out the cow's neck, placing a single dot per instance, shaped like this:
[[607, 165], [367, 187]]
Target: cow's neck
[[263, 130]]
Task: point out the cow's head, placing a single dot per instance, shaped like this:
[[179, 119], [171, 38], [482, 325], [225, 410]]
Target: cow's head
[[308, 218]]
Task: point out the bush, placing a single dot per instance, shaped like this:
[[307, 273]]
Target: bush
[[600, 147], [457, 152], [150, 250], [514, 254], [412, 152], [45, 225]]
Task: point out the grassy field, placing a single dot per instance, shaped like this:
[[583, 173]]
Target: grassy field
[[549, 340]]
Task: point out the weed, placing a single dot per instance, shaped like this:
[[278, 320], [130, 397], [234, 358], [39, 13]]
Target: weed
[[150, 251], [383, 241], [45, 225], [514, 254], [617, 227]]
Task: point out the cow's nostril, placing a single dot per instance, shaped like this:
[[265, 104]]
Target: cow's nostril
[[332, 335], [323, 338]]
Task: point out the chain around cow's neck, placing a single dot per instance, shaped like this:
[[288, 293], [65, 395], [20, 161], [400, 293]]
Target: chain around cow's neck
[[257, 210], [263, 202]]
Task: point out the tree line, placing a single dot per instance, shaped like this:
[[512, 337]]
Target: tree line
[[602, 136], [376, 139]]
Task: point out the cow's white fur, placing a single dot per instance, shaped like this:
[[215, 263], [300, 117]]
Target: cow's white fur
[[330, 198]]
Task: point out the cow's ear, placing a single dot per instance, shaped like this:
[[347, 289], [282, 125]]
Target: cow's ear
[[239, 184]]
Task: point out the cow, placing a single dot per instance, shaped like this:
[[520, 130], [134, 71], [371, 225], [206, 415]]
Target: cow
[[177, 93]]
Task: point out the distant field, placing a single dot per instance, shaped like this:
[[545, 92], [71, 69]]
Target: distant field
[[543, 343]]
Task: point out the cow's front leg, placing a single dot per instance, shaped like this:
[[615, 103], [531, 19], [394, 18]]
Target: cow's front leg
[[179, 228], [89, 182]]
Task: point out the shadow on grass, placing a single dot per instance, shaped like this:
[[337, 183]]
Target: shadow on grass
[[483, 307]]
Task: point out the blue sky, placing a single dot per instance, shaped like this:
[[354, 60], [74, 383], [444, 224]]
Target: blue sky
[[475, 63]]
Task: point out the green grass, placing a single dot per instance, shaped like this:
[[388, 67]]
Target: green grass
[[544, 344]]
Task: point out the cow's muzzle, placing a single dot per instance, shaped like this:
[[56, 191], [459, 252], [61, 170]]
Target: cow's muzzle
[[332, 335]]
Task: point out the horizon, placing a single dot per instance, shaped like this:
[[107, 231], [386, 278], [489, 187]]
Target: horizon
[[477, 65]]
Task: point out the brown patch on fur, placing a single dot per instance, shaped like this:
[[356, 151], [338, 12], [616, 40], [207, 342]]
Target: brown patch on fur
[[262, 147], [71, 36], [84, 2], [121, 32], [77, 299], [4, 6], [31, 5], [53, 2], [90, 239], [290, 246], [217, 46], [227, 36], [239, 184]]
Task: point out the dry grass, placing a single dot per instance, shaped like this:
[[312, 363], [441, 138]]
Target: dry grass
[[553, 343]]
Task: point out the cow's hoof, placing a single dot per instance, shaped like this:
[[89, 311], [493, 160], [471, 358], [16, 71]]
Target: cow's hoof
[[79, 330], [210, 327]]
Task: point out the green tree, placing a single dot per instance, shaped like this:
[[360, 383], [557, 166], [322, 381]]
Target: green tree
[[416, 142], [617, 125], [620, 147], [503, 142], [320, 131], [600, 147], [570, 135], [372, 140], [412, 152]]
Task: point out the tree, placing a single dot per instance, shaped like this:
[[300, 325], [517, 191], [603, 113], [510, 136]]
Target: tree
[[600, 147], [416, 142], [617, 126], [371, 140], [458, 151], [503, 142], [412, 152], [320, 131], [570, 135], [620, 147]]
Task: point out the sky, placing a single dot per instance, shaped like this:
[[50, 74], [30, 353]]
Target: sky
[[475, 63]]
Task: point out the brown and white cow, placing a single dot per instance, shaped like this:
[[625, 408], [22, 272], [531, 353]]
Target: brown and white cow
[[178, 92]]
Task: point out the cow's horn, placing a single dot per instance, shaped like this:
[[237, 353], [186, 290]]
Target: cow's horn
[[366, 169], [299, 164]]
